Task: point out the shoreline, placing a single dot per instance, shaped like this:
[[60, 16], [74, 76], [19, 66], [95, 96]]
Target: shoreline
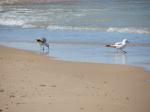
[[71, 61], [32, 82], [75, 61]]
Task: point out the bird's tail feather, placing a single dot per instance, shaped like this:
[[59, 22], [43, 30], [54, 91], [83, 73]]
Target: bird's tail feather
[[107, 45], [112, 46]]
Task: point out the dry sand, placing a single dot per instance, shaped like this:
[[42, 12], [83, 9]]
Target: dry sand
[[34, 83]]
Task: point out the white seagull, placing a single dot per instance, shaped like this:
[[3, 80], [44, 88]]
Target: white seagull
[[42, 42], [119, 45]]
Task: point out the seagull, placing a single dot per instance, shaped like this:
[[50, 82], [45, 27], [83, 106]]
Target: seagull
[[119, 45], [43, 42]]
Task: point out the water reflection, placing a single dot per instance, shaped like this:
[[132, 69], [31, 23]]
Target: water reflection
[[44, 52], [120, 58]]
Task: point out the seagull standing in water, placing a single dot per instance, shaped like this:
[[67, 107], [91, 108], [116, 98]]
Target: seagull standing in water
[[119, 45], [43, 42]]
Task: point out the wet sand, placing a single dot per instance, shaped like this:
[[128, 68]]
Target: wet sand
[[30, 82]]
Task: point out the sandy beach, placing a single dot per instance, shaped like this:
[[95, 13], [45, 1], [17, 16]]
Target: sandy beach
[[30, 82]]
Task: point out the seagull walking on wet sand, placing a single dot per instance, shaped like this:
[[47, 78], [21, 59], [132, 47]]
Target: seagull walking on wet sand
[[43, 42], [119, 45]]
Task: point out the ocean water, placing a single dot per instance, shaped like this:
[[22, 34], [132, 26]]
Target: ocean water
[[78, 31]]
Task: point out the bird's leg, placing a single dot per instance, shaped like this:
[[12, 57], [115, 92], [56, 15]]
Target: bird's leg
[[123, 51], [48, 48], [47, 45], [43, 48]]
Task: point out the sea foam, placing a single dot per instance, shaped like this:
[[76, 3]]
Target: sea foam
[[129, 30], [72, 28], [110, 29], [11, 22]]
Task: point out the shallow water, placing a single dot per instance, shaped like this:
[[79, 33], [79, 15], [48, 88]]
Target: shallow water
[[82, 46]]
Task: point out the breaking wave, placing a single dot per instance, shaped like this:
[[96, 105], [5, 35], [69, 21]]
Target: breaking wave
[[25, 24], [72, 28], [129, 30], [110, 29], [11, 22]]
